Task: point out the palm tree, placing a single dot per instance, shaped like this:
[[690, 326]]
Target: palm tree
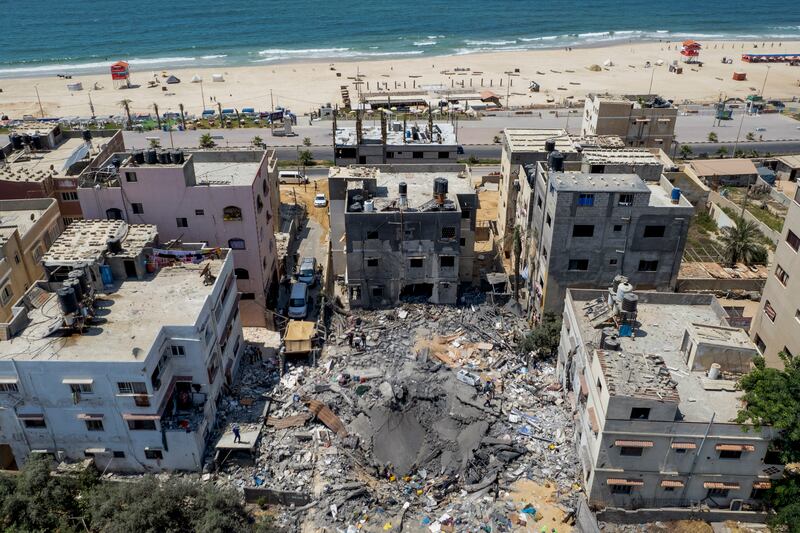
[[712, 137], [158, 117], [741, 242], [125, 104], [305, 157], [206, 141], [686, 151], [306, 141], [183, 117]]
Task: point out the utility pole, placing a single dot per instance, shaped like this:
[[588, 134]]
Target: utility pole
[[765, 82], [221, 120], [91, 105], [158, 116], [202, 97], [41, 109], [652, 75]]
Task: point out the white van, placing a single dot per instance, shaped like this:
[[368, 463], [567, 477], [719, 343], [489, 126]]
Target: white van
[[298, 301], [291, 176]]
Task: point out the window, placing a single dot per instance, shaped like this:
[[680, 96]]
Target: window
[[130, 176], [444, 155], [6, 294], [119, 455], [199, 212], [617, 227], [621, 489], [390, 155], [578, 264], [114, 214], [449, 232], [131, 387], [680, 450], [539, 202], [730, 454], [612, 261], [788, 352], [94, 425], [70, 196], [9, 387], [549, 220], [153, 454], [248, 296], [377, 292], [760, 344], [599, 385], [236, 244], [583, 230], [544, 253], [142, 425], [462, 241], [16, 258], [717, 493], [466, 212], [81, 388], [241, 273], [625, 199], [417, 155], [631, 451], [178, 350], [648, 266], [415, 262], [782, 275], [640, 413], [447, 261], [586, 199], [182, 222], [769, 310], [138, 209], [793, 240], [259, 203], [231, 213], [372, 262], [35, 423], [757, 494], [372, 234], [654, 231]]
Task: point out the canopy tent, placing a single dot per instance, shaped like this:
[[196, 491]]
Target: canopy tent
[[173, 79], [196, 79], [217, 77]]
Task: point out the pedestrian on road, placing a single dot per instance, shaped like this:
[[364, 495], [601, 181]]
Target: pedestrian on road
[[237, 437]]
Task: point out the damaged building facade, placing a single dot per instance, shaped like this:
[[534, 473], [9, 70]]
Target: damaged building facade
[[402, 231], [222, 197], [638, 119], [653, 383], [120, 353]]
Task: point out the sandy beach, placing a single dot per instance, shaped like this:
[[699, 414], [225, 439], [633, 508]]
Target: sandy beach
[[304, 86]]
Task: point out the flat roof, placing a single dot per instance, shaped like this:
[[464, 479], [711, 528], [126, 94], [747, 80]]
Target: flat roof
[[723, 167], [225, 173], [86, 240], [35, 166], [792, 161], [22, 215], [532, 140], [664, 317], [395, 135], [135, 313], [582, 181], [620, 156], [32, 127]]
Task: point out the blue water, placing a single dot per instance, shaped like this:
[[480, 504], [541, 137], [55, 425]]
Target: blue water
[[86, 35]]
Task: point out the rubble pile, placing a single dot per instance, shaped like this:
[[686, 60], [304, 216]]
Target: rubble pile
[[416, 418]]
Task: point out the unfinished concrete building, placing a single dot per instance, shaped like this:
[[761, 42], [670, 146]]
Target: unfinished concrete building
[[581, 229], [652, 378], [638, 119], [397, 231], [394, 142]]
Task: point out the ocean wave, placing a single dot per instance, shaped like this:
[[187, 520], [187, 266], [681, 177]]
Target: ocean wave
[[537, 39], [98, 65], [489, 43], [217, 56], [424, 43], [434, 36], [302, 51]]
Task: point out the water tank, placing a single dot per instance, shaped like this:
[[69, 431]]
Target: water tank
[[151, 157], [114, 245], [66, 300], [75, 285], [611, 342], [36, 140], [177, 157], [16, 141], [549, 145], [116, 161], [87, 135], [440, 186], [715, 371], [80, 276], [138, 157], [403, 188], [26, 139], [163, 157], [606, 333], [556, 161], [619, 278], [629, 302], [676, 195], [622, 290], [369, 206]]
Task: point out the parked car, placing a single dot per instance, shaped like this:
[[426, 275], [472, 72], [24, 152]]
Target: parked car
[[320, 200], [298, 300], [307, 273], [291, 176], [469, 378]]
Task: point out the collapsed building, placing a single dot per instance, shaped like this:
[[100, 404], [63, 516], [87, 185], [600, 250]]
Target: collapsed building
[[402, 231], [653, 380], [120, 353]]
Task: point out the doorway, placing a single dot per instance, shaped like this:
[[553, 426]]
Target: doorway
[[7, 461], [130, 268]]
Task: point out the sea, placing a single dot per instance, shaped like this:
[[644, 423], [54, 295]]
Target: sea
[[82, 36]]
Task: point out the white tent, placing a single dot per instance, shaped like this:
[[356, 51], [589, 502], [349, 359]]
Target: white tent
[[608, 63], [217, 77], [659, 62], [77, 86], [196, 79]]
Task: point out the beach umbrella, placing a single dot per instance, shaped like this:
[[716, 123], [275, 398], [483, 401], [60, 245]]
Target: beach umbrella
[[196, 79]]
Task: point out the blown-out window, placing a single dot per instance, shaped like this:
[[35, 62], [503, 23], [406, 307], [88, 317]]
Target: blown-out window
[[241, 273], [231, 213], [236, 244]]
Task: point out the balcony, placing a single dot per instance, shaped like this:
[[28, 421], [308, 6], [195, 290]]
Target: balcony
[[183, 407]]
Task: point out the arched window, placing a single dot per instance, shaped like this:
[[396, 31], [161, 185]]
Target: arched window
[[236, 244], [264, 186], [241, 273], [114, 214], [259, 203], [231, 213]]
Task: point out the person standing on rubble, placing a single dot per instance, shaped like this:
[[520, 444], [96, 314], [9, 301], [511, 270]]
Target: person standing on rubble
[[237, 436], [363, 340], [350, 338]]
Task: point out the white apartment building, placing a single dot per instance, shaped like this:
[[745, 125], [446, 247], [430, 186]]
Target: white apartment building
[[120, 353], [652, 380]]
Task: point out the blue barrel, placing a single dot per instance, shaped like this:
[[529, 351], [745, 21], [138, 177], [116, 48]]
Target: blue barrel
[[676, 195]]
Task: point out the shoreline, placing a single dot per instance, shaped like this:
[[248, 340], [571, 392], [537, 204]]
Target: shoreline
[[302, 84]]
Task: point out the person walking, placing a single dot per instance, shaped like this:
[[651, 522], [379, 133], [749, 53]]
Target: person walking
[[237, 436]]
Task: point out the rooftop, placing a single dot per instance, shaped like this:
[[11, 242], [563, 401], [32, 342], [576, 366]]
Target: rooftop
[[21, 215], [641, 100], [723, 167], [35, 127], [652, 365], [443, 134], [792, 161], [581, 181], [532, 140], [23, 165], [620, 156], [86, 240], [131, 318], [225, 172]]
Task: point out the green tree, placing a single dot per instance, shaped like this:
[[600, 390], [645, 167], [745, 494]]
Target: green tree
[[257, 141], [712, 137], [686, 151], [742, 242], [158, 115], [544, 338], [473, 160], [738, 153], [206, 141], [155, 143], [126, 105], [750, 136], [306, 141], [496, 139], [722, 151], [305, 158]]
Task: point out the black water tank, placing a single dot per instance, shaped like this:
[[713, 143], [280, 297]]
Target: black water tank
[[26, 139], [36, 140], [176, 156], [87, 135], [16, 141], [66, 300], [151, 157], [440, 186], [549, 145], [556, 161], [403, 188], [75, 285], [630, 302], [114, 245], [116, 161], [138, 157], [80, 275], [163, 157]]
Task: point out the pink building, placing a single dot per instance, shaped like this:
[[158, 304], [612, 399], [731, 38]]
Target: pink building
[[221, 197]]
